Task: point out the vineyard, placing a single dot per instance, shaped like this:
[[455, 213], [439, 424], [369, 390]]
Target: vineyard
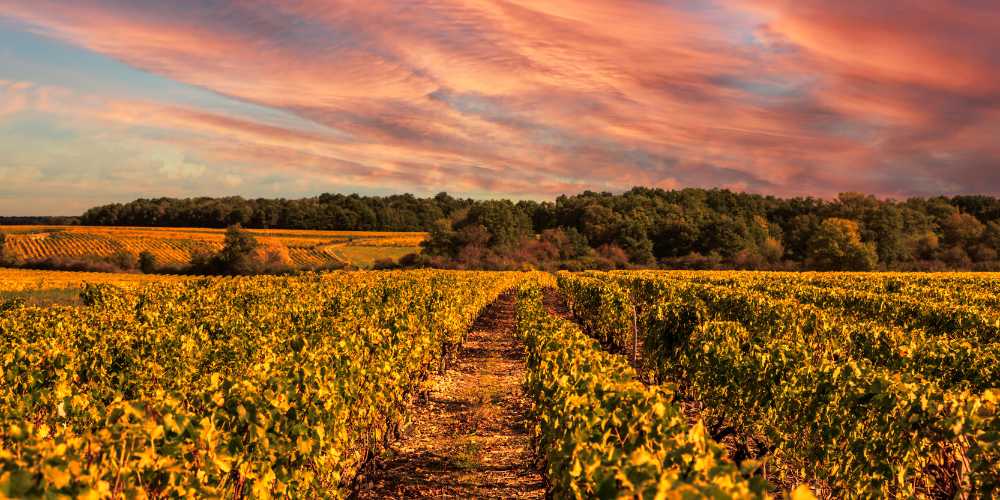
[[637, 384], [257, 387], [855, 384], [176, 246], [26, 280]]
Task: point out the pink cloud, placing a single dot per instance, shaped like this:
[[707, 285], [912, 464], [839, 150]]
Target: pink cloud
[[521, 97]]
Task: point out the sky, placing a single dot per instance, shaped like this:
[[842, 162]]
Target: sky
[[110, 100]]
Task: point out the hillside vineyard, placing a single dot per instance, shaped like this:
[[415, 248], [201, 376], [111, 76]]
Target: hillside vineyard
[[177, 246], [653, 384]]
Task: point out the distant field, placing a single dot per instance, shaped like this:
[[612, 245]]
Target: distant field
[[42, 288], [30, 280], [175, 246]]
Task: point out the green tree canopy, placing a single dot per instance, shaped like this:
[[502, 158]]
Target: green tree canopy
[[836, 246], [237, 252], [505, 224], [961, 229]]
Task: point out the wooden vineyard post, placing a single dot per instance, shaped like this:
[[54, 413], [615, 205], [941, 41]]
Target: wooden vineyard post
[[635, 336]]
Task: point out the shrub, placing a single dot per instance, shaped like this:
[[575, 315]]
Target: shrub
[[147, 262]]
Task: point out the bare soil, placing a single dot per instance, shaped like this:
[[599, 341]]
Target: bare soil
[[471, 436]]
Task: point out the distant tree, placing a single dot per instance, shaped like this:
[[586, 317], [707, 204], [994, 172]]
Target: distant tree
[[384, 264], [925, 245], [544, 216], [599, 224], [961, 229], [505, 224], [956, 257], [125, 261], [475, 235], [983, 253], [883, 224], [611, 256], [700, 228], [237, 255], [204, 262], [147, 262], [327, 211], [836, 246], [991, 235], [632, 238], [724, 235], [938, 209], [272, 258], [982, 207], [442, 239], [798, 230], [569, 242], [675, 236], [772, 250]]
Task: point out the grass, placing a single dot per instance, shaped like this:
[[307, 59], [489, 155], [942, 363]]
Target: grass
[[31, 280], [44, 298], [363, 256]]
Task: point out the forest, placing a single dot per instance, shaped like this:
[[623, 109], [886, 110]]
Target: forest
[[649, 228]]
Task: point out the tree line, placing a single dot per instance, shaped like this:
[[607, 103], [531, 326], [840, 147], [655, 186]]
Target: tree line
[[326, 212], [39, 220], [688, 228]]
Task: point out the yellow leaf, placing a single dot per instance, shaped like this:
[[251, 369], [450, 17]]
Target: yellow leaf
[[802, 492], [56, 477]]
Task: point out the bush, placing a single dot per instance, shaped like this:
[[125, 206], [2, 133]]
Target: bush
[[385, 264], [122, 262], [243, 255], [272, 258], [126, 261], [147, 262], [203, 262], [238, 252]]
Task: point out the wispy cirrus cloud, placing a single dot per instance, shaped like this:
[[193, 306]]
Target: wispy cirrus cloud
[[520, 98], [19, 96]]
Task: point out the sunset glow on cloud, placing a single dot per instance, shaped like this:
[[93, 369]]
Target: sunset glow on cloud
[[116, 99]]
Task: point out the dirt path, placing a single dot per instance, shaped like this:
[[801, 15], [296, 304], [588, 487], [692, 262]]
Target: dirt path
[[555, 303], [471, 438]]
